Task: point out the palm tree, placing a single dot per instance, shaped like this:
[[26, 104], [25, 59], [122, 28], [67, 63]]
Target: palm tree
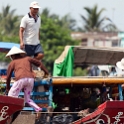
[[65, 21], [8, 21], [93, 21], [110, 27]]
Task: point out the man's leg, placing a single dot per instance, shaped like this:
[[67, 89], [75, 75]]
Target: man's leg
[[39, 54]]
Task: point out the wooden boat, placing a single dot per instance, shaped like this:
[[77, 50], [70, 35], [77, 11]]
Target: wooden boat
[[107, 112], [110, 112], [8, 106]]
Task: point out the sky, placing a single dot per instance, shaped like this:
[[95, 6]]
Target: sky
[[114, 8]]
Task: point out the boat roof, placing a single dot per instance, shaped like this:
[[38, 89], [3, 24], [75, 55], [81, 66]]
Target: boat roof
[[97, 55], [6, 46], [94, 55]]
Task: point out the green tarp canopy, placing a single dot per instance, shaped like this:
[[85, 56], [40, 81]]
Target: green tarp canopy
[[80, 55], [63, 66]]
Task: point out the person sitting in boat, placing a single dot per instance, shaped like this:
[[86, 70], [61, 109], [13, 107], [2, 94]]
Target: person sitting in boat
[[112, 71], [94, 71], [21, 65]]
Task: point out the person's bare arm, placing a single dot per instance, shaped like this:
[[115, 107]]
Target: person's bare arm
[[39, 34], [21, 37], [39, 64], [44, 68], [8, 78]]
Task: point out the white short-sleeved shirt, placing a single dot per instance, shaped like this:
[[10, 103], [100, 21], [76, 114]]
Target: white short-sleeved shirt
[[31, 33]]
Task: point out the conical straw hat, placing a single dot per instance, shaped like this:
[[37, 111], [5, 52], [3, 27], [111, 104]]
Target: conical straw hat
[[120, 64], [15, 50]]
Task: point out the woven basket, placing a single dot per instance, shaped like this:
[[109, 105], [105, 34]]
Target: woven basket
[[39, 74]]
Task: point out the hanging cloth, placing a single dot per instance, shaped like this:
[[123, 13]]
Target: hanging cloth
[[63, 66]]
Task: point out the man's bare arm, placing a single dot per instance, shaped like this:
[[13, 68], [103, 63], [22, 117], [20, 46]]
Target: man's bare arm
[[21, 37], [39, 34]]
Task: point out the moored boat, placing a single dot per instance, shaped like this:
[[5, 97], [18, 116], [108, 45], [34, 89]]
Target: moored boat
[[107, 105], [110, 112], [8, 106]]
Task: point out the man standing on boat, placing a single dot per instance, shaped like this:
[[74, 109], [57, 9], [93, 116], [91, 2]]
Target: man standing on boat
[[29, 32]]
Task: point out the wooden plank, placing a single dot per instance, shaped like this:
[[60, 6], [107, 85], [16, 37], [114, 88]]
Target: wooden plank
[[87, 80]]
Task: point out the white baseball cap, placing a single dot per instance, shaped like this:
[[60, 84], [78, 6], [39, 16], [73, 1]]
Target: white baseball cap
[[15, 50], [34, 5]]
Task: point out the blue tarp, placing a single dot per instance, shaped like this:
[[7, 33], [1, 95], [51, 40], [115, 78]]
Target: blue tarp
[[6, 46]]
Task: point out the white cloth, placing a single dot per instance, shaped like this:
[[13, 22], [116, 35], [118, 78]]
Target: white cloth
[[31, 33], [119, 71]]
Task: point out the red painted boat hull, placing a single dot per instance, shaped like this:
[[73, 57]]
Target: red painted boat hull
[[110, 112], [8, 106]]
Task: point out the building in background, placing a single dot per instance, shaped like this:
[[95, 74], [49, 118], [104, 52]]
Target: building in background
[[100, 39], [121, 36]]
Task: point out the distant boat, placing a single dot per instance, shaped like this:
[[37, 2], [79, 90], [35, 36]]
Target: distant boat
[[6, 46]]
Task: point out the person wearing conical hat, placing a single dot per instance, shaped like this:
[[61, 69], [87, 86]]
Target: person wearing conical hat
[[120, 69], [21, 66]]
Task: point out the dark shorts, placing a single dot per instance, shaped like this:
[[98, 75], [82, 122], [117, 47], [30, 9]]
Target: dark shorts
[[33, 50]]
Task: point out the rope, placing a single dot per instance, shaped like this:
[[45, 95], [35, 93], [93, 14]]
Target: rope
[[50, 112]]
